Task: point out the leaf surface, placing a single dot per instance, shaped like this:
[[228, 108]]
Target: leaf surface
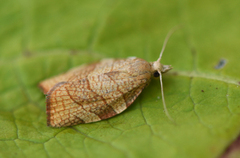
[[40, 39]]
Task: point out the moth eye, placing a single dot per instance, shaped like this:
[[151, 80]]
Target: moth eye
[[156, 74]]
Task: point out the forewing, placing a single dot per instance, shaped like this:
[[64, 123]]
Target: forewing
[[73, 74], [64, 110], [91, 99], [94, 92]]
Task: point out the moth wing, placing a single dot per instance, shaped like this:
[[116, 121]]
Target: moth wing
[[75, 73], [64, 110], [88, 100]]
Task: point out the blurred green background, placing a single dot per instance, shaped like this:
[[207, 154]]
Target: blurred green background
[[39, 39]]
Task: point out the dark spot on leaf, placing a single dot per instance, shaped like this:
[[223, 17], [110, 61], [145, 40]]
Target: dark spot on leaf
[[202, 90], [175, 73], [216, 88], [73, 52], [27, 53], [221, 64], [193, 50], [239, 83]]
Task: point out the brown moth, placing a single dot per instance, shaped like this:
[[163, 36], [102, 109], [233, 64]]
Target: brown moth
[[99, 91]]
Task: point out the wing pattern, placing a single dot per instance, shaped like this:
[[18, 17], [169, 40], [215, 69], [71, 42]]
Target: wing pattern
[[94, 92]]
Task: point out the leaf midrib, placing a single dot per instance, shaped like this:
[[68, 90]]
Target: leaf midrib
[[225, 79]]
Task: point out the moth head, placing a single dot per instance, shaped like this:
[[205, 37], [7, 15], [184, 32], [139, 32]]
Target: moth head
[[158, 68]]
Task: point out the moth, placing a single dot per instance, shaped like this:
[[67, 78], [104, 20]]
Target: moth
[[98, 91]]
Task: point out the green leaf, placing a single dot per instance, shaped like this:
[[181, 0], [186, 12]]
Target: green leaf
[[40, 39]]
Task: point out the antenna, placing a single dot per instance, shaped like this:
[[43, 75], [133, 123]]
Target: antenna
[[160, 73], [163, 99], [166, 40]]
